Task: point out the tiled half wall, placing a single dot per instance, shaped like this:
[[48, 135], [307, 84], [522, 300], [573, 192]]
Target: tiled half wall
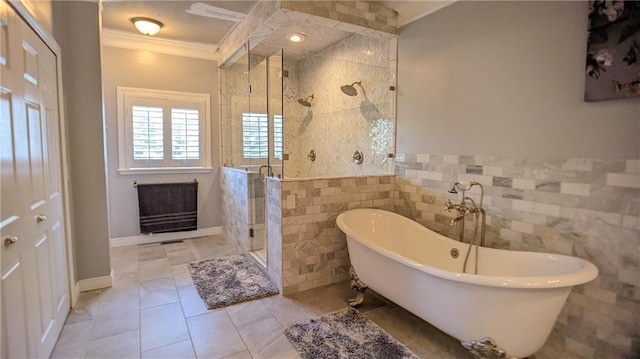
[[235, 205], [303, 239], [588, 208]]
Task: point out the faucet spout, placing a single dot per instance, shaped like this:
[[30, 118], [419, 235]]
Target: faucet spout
[[457, 219]]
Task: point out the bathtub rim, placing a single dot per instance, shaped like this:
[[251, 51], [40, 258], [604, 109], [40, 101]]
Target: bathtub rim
[[586, 272]]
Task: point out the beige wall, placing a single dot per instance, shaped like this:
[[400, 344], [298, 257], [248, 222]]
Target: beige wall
[[76, 28], [144, 69], [492, 92], [506, 78]]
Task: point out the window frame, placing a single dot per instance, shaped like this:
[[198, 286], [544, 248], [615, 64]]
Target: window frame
[[127, 97]]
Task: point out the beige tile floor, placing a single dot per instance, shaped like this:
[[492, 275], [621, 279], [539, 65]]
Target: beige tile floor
[[154, 311]]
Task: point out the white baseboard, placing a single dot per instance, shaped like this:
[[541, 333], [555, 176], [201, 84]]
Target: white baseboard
[[88, 284], [163, 237], [75, 294]]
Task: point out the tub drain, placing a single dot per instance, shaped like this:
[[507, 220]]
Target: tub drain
[[454, 252]]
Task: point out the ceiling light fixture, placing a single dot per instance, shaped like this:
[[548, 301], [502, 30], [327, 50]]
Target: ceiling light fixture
[[147, 26], [296, 37]]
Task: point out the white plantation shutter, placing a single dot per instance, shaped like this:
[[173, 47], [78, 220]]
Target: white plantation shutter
[[277, 136], [255, 135], [185, 134], [148, 138], [163, 131]]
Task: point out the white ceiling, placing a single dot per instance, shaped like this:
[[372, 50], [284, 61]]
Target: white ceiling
[[178, 23], [181, 25]]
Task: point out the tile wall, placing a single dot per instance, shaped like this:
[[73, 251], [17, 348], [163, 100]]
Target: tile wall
[[274, 231], [364, 17], [365, 122], [372, 15], [589, 208], [302, 226], [235, 206], [336, 125]]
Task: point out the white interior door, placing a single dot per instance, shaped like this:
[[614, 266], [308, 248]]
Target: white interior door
[[34, 284]]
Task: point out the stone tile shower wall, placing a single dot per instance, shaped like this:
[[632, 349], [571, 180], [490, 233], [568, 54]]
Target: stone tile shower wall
[[370, 18], [589, 208], [336, 125], [235, 206], [366, 14], [302, 226], [274, 231]]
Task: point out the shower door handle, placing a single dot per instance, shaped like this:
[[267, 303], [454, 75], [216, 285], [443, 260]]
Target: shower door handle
[[269, 172]]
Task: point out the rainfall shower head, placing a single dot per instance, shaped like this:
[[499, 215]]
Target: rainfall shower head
[[306, 102], [349, 90]]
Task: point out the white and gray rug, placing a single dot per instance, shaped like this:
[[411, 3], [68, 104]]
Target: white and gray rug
[[229, 280], [345, 334]]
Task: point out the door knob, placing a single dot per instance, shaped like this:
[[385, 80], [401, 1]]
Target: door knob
[[9, 240], [41, 218]]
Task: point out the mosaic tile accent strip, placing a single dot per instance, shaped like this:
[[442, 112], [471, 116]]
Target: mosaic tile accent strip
[[313, 250], [588, 208]]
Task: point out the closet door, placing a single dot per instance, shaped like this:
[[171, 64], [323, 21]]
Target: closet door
[[34, 283]]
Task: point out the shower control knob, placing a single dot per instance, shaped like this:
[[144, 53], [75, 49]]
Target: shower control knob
[[358, 157], [312, 155]]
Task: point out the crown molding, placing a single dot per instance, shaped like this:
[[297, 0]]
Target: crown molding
[[126, 40], [427, 9]]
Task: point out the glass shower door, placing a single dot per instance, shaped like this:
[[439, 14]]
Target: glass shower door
[[257, 126], [265, 104]]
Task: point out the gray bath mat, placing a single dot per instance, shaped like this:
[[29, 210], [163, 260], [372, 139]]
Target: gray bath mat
[[345, 334], [229, 280]]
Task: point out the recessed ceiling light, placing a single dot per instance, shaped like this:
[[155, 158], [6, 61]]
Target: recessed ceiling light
[[147, 26], [296, 37]]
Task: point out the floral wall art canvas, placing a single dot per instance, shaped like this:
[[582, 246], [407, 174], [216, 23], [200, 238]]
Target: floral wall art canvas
[[613, 48]]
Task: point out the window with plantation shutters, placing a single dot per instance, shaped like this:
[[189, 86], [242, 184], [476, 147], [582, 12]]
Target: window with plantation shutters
[[255, 135], [163, 131], [185, 134], [148, 133]]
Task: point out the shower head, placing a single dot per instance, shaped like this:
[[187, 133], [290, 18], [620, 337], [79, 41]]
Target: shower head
[[349, 90], [453, 188], [306, 102]]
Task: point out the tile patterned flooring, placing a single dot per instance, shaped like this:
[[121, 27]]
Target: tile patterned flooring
[[154, 311]]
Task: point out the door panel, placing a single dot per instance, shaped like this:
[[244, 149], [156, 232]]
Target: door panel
[[8, 210], [14, 312], [47, 306], [54, 154], [36, 156], [35, 289], [59, 268]]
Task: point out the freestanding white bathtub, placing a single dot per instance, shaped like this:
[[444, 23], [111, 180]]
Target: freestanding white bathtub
[[514, 299]]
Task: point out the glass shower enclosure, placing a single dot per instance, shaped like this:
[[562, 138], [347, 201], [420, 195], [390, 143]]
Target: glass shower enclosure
[[252, 130]]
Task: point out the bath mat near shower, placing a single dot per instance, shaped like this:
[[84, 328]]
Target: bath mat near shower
[[345, 334], [229, 280]]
